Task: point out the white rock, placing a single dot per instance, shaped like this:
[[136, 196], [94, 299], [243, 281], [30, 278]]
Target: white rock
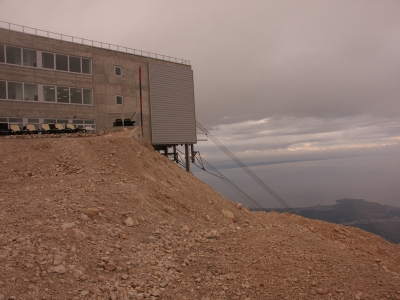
[[58, 269], [229, 215], [79, 234], [129, 222], [68, 225], [57, 259]]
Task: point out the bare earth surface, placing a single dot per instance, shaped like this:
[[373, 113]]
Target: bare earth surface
[[107, 217]]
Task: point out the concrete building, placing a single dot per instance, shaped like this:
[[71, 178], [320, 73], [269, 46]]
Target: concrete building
[[48, 78]]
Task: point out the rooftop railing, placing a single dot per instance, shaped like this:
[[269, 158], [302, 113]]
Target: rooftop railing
[[92, 43]]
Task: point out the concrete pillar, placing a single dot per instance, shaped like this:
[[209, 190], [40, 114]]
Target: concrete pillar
[[166, 151], [175, 154], [187, 157], [192, 152]]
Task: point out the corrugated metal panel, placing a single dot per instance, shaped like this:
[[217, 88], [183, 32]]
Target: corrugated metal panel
[[172, 110]]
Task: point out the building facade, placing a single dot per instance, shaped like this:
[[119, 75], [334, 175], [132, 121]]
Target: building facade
[[50, 80]]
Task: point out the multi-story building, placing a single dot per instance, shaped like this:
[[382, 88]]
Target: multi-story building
[[53, 78]]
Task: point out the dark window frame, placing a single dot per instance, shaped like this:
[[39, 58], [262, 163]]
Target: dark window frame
[[63, 89], [49, 87], [26, 54], [26, 87], [116, 72], [119, 97], [15, 56], [9, 83], [2, 53], [72, 95], [85, 92], [50, 66], [4, 85], [86, 65], [72, 60], [61, 63]]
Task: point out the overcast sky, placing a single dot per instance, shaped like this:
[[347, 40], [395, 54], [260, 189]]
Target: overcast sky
[[289, 82]]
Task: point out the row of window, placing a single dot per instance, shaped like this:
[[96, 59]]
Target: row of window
[[81, 123], [32, 58], [10, 90], [48, 93]]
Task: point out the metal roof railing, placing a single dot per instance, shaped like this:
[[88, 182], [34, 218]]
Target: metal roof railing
[[82, 41]]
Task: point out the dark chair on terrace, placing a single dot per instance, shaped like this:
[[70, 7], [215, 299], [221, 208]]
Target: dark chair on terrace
[[129, 122], [74, 129], [61, 128], [15, 129], [4, 132], [4, 129], [46, 128], [32, 129], [118, 122]]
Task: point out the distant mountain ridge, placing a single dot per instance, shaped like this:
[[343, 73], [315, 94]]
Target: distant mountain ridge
[[383, 220]]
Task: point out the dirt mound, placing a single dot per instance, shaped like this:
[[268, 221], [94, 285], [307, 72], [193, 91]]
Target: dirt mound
[[107, 217]]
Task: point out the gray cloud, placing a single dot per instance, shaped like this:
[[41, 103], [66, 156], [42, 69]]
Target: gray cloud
[[306, 134]]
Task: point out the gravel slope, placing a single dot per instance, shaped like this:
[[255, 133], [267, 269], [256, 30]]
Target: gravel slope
[[107, 217]]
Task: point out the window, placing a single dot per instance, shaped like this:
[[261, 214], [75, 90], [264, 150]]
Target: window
[[50, 121], [13, 55], [62, 94], [2, 54], [118, 71], [79, 96], [29, 58], [74, 64], [31, 92], [84, 123], [15, 90], [47, 60], [61, 62], [86, 66], [78, 123], [76, 95], [49, 93], [45, 93], [87, 97], [3, 91], [119, 100]]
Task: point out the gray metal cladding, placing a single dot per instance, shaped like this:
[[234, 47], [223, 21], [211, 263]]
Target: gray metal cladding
[[172, 108]]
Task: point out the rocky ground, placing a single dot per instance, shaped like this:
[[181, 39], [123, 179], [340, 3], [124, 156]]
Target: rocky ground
[[107, 217]]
